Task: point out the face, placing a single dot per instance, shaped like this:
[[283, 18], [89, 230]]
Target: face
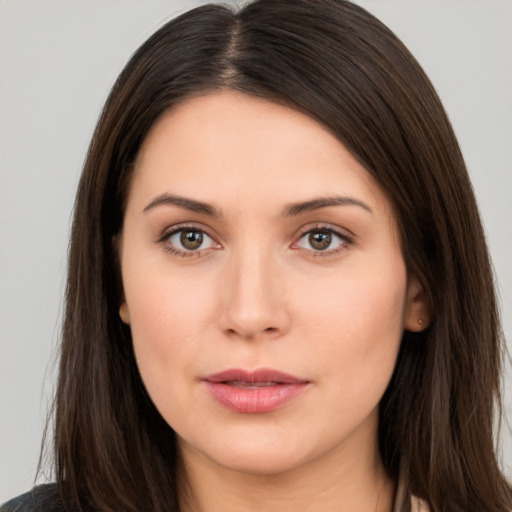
[[263, 284]]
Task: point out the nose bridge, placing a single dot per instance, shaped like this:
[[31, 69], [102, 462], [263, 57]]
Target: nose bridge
[[254, 301]]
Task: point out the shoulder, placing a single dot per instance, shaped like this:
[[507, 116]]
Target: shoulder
[[43, 498]]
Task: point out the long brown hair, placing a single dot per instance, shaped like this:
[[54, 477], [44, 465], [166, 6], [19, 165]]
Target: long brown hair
[[335, 62]]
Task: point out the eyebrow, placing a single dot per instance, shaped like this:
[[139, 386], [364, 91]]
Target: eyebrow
[[291, 210], [183, 202], [323, 202]]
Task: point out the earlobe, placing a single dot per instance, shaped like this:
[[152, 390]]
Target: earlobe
[[417, 311], [124, 313]]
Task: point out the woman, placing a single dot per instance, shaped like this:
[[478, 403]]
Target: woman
[[279, 297]]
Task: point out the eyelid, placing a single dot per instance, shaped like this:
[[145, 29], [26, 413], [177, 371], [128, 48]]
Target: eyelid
[[343, 234], [169, 231]]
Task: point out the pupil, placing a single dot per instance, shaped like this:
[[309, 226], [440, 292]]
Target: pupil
[[191, 240], [320, 241]]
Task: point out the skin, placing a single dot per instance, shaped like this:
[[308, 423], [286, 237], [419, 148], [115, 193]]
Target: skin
[[258, 294]]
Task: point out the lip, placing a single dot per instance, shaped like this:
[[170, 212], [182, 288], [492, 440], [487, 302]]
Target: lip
[[254, 391]]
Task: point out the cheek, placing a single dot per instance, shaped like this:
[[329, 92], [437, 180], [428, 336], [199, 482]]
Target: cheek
[[165, 332], [167, 315], [357, 321], [168, 320]]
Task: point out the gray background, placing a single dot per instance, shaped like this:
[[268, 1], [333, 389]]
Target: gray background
[[58, 59]]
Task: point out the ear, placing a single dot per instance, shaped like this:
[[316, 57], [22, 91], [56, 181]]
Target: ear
[[124, 313], [417, 312]]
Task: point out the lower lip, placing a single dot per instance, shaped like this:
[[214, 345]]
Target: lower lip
[[255, 400]]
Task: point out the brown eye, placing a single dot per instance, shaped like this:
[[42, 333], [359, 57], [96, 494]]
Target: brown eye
[[191, 239], [323, 240], [320, 240], [188, 241]]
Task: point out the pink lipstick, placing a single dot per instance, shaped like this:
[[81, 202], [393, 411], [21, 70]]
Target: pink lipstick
[[257, 391]]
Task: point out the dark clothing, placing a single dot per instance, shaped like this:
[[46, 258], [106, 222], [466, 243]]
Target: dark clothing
[[43, 498]]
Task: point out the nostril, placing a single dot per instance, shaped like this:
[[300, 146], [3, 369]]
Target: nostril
[[252, 335]]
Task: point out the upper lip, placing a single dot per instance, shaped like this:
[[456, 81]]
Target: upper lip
[[254, 376]]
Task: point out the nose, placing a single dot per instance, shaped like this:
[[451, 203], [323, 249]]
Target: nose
[[254, 300]]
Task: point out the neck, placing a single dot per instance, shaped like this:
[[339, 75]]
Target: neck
[[355, 482]]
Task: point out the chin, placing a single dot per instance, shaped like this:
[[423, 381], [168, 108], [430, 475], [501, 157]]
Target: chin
[[271, 463], [259, 455]]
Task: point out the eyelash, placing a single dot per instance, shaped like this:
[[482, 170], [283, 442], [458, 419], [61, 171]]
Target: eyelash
[[345, 240], [167, 234]]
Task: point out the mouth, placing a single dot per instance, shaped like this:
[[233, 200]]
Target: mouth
[[254, 392], [250, 385]]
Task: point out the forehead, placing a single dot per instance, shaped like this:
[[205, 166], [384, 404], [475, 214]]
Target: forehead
[[229, 145]]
